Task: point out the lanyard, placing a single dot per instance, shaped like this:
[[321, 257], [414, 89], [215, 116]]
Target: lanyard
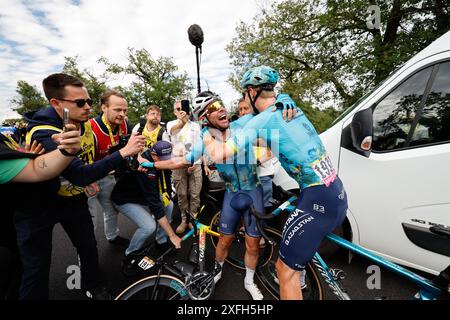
[[111, 137], [164, 186]]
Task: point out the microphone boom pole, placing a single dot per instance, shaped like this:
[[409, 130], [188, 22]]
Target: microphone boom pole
[[197, 49], [196, 38]]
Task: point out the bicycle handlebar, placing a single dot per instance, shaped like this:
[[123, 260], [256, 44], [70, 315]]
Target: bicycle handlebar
[[287, 205], [263, 233]]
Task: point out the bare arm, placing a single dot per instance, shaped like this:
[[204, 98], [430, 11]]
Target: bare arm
[[44, 167], [164, 223], [218, 151], [172, 164], [180, 123], [50, 165]]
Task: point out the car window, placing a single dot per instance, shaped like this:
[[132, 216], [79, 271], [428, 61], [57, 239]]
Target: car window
[[393, 116], [434, 123]]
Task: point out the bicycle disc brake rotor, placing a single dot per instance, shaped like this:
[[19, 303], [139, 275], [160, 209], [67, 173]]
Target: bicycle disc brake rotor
[[200, 285]]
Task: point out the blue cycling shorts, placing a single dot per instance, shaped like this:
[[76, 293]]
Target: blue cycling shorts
[[320, 210], [230, 219]]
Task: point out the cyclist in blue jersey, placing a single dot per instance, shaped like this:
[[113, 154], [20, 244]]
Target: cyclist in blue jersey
[[322, 204], [239, 175]]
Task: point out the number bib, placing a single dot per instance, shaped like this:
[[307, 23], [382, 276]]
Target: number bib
[[324, 169], [146, 263]]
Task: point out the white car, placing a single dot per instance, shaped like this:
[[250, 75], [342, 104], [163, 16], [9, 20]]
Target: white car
[[397, 178]]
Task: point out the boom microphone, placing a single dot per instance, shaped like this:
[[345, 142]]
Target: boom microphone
[[142, 123], [195, 35]]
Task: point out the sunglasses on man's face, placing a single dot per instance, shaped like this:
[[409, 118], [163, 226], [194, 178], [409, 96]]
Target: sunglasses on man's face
[[80, 102], [214, 107]]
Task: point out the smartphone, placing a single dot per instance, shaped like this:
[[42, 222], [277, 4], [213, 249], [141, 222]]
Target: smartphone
[[185, 106], [65, 118]]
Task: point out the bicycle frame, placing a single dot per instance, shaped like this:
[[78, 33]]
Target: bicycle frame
[[428, 290], [201, 230]]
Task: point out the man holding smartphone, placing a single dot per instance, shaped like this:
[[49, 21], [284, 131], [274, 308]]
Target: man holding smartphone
[[63, 199], [187, 181]]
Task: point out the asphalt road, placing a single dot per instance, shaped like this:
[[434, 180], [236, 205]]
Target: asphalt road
[[64, 263]]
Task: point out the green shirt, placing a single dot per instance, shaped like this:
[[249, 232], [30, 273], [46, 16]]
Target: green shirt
[[11, 168]]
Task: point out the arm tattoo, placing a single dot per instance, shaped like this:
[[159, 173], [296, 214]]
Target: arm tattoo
[[42, 164]]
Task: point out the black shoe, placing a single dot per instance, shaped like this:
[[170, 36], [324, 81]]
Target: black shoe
[[98, 293], [130, 266], [120, 242]]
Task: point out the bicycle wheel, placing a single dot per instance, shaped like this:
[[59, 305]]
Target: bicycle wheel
[[268, 277], [237, 249], [168, 288]]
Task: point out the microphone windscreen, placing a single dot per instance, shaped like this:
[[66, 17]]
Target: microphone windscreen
[[195, 35]]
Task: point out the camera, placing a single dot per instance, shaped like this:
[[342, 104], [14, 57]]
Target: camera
[[123, 140]]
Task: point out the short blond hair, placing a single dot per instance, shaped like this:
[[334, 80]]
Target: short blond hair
[[153, 107]]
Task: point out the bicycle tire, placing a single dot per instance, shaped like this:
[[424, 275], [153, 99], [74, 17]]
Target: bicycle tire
[[236, 253], [169, 288], [267, 275]]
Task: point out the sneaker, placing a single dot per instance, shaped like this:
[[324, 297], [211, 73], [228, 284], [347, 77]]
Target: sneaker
[[129, 265], [120, 242], [181, 228], [254, 291], [217, 271], [98, 293]]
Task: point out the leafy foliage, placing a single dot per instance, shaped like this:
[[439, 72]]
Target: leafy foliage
[[326, 52], [156, 81], [28, 98]]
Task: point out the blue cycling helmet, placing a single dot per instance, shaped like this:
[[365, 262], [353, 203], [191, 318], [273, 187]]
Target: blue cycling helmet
[[259, 76]]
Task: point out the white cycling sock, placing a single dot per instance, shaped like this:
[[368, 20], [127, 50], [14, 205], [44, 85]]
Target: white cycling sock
[[249, 274]]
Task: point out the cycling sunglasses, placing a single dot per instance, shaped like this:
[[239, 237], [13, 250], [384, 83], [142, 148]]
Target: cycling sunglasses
[[80, 102], [215, 106]]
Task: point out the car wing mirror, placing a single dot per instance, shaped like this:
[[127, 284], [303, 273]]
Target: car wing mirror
[[361, 129]]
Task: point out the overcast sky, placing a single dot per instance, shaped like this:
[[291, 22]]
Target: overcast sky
[[35, 36]]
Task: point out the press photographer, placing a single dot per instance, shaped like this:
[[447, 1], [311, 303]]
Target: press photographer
[[137, 195]]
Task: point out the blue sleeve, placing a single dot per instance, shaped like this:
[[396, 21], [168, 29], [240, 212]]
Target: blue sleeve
[[244, 137], [77, 172]]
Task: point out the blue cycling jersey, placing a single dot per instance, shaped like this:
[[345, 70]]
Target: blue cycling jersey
[[295, 143], [239, 172]]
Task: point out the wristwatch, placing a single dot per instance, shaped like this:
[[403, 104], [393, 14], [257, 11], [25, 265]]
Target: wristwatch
[[67, 154]]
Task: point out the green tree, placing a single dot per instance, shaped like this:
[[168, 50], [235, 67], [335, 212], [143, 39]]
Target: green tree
[[28, 98], [95, 85], [325, 50], [156, 81]]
